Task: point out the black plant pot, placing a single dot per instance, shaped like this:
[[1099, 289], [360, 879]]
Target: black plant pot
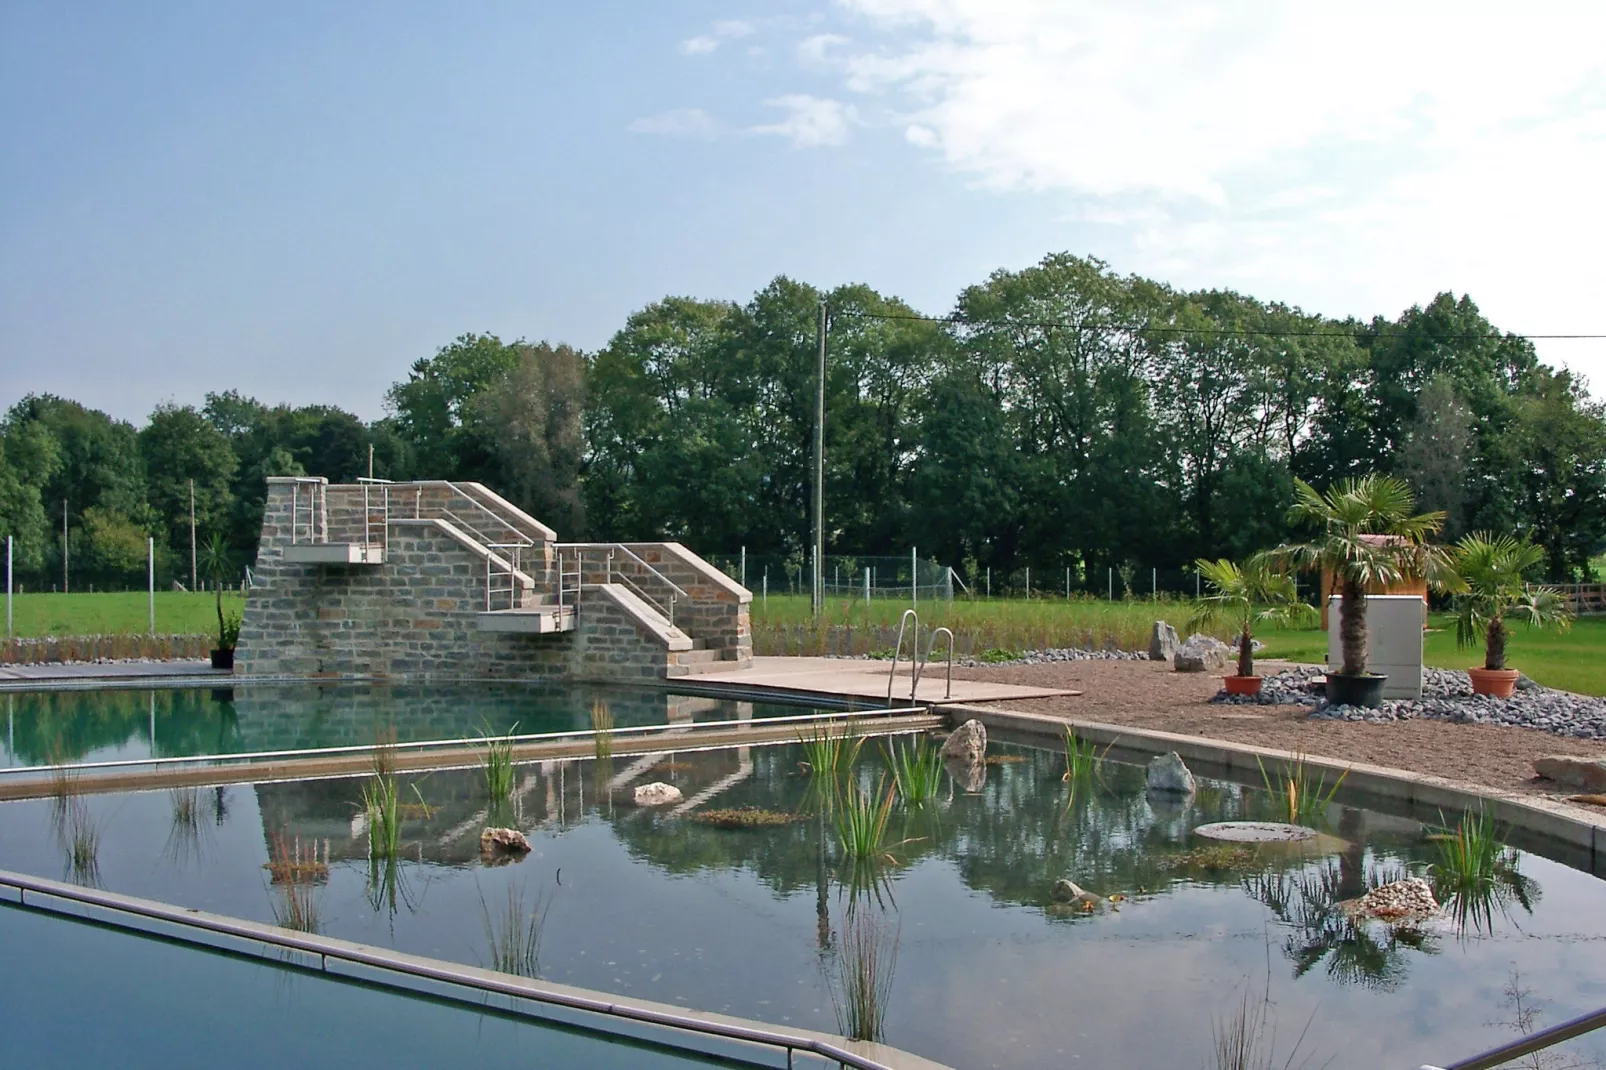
[[1363, 690], [223, 659]]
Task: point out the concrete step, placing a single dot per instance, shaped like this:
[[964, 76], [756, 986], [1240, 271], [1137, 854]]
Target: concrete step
[[698, 655]]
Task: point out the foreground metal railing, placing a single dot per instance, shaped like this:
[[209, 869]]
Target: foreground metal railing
[[194, 927], [1545, 1038], [664, 603]]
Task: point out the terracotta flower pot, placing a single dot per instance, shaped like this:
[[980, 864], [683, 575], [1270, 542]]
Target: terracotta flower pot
[[1498, 683], [1242, 685]]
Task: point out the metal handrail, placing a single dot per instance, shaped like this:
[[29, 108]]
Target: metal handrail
[[676, 591], [914, 654], [948, 691], [499, 518], [326, 949], [353, 749], [1545, 1038], [619, 546]]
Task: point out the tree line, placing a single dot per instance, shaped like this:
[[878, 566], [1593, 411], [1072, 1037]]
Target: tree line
[[1062, 416]]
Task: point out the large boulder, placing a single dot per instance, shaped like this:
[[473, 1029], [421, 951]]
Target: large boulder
[[968, 743], [1169, 775], [1201, 653], [1408, 900], [1574, 771], [970, 776], [657, 794], [503, 841], [1162, 642]]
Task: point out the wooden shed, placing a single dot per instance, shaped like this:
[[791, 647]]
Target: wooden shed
[[1407, 585]]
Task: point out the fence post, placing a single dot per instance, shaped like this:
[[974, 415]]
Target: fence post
[[744, 566], [1067, 583], [8, 587], [989, 581], [867, 586], [766, 602], [1154, 584], [1110, 594], [1196, 586], [1028, 583], [914, 577]]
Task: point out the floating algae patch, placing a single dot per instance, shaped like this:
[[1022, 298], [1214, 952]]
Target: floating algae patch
[[1005, 759], [746, 817]]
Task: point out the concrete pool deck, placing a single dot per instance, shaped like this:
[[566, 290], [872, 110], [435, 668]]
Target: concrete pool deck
[[864, 678]]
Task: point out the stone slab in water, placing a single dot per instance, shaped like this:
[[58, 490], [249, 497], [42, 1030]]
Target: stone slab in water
[[1254, 832]]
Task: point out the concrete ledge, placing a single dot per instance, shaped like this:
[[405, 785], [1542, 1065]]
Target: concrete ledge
[[645, 617], [334, 553], [1571, 826]]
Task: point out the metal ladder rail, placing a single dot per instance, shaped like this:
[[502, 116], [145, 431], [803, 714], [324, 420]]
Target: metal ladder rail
[[510, 568], [948, 690], [914, 652]]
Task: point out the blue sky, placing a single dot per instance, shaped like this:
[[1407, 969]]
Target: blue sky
[[298, 200]]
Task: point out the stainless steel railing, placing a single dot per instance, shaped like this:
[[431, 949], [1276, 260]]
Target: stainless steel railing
[[1545, 1038], [664, 602]]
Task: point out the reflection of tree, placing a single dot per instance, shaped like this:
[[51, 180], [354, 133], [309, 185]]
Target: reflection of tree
[[1307, 901]]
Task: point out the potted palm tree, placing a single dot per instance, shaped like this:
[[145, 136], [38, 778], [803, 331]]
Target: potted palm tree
[[1240, 595], [1369, 535], [1491, 568], [217, 565]]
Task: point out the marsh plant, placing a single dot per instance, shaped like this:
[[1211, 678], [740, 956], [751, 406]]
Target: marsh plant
[[1246, 1039], [861, 980], [184, 831], [916, 770], [861, 820], [82, 835], [828, 751], [1301, 794], [1476, 874], [602, 726], [499, 765], [1083, 762], [294, 876], [513, 933]]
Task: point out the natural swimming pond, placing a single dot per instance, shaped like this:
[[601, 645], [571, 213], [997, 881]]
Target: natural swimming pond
[[45, 728], [979, 965]]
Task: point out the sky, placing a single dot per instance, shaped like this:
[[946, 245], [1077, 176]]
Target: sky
[[300, 199]]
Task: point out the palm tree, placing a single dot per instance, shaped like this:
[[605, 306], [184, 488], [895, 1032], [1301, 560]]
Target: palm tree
[[1236, 590], [1492, 567], [217, 564], [1370, 536]]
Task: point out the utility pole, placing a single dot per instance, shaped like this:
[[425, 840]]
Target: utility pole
[[64, 588], [193, 585], [819, 461], [370, 461], [150, 579]]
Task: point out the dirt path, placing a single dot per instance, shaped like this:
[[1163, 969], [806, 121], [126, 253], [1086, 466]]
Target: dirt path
[[1147, 694]]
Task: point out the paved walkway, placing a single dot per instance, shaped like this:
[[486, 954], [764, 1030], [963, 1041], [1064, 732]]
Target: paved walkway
[[865, 679], [109, 670]]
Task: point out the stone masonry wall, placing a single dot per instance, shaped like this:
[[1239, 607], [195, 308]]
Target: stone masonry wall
[[719, 611], [416, 616]]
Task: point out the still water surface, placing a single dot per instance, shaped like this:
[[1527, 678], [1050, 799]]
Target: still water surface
[[985, 969]]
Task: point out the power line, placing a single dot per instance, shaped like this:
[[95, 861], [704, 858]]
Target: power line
[[1137, 328]]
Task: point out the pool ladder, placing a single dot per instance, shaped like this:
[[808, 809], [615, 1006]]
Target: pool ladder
[[916, 662]]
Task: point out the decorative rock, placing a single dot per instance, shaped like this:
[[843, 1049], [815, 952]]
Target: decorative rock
[[657, 794], [1574, 771], [1410, 899], [968, 743], [1168, 774], [1163, 642], [1200, 654], [1067, 891], [1254, 832], [503, 841]]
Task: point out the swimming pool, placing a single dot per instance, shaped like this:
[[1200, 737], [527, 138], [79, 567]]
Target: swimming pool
[[983, 966]]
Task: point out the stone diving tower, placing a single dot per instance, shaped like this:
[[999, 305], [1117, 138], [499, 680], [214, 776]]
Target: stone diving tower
[[451, 581]]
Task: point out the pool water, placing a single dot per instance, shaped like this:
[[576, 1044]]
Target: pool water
[[983, 967], [159, 1005], [45, 728]]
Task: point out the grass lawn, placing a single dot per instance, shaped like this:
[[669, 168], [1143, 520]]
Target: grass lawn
[[120, 613], [1574, 660]]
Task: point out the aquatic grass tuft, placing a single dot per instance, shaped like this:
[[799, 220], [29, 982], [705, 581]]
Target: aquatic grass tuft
[[916, 770], [514, 933], [1082, 759], [1476, 873], [384, 752], [866, 957], [861, 819], [830, 751], [293, 878], [83, 843], [1300, 796], [1246, 1040], [602, 725], [499, 764]]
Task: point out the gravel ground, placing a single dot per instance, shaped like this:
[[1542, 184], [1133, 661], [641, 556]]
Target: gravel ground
[[1146, 694]]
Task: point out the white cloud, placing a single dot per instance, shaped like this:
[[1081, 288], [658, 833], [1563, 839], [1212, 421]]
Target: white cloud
[[1357, 157], [811, 122], [722, 31], [679, 122], [820, 49]]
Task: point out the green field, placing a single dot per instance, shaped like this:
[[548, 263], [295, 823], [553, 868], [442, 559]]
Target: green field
[[120, 613], [1574, 660]]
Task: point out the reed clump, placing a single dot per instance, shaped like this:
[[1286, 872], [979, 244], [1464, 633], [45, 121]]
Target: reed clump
[[867, 956], [602, 725], [294, 874], [916, 770], [514, 933], [83, 843], [861, 819], [1301, 795], [498, 768]]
